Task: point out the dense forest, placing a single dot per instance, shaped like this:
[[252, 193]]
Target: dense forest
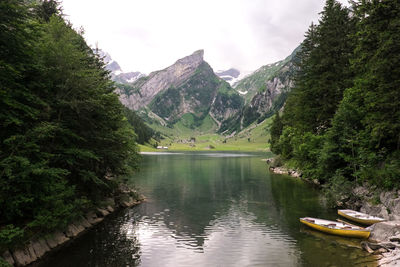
[[65, 137], [341, 122]]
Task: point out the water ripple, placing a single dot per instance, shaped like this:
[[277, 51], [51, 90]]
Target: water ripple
[[231, 237], [211, 209]]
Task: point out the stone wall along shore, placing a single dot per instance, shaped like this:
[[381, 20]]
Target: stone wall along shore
[[38, 248]]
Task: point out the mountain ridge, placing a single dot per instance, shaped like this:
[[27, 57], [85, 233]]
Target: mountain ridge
[[117, 74], [160, 80], [189, 92], [264, 91]]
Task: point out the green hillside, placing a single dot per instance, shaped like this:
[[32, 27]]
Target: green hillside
[[253, 138]]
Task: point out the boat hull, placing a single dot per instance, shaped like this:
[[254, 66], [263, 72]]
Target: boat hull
[[341, 232], [359, 220]]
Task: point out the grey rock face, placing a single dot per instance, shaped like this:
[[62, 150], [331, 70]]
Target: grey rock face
[[92, 217], [265, 92], [110, 208], [113, 66], [225, 106], [231, 72], [230, 75], [23, 257], [102, 212], [56, 239], [127, 77], [389, 207], [263, 101], [375, 210], [74, 229], [84, 222], [195, 95], [383, 231], [387, 198], [161, 80], [104, 55], [40, 247], [117, 74]]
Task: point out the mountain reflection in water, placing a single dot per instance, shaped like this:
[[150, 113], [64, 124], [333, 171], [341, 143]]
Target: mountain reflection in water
[[213, 209]]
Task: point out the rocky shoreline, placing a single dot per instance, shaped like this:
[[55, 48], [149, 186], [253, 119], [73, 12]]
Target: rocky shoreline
[[384, 241], [37, 249]]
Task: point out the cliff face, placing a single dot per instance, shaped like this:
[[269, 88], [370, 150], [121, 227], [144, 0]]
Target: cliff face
[[190, 92], [265, 92], [159, 81], [226, 104], [193, 95], [275, 88], [187, 91]]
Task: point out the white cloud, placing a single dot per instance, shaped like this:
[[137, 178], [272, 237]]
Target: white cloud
[[152, 34]]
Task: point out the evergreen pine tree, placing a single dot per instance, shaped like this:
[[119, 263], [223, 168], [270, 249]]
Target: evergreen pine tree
[[276, 132], [324, 71], [366, 129]]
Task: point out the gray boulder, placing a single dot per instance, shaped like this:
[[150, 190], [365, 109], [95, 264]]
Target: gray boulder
[[386, 198], [56, 239], [390, 259], [23, 256], [395, 206], [40, 247], [91, 217], [375, 210], [102, 212], [383, 231], [84, 222], [74, 230], [110, 208]]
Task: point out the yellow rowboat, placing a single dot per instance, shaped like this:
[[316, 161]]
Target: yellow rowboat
[[336, 228], [360, 217]]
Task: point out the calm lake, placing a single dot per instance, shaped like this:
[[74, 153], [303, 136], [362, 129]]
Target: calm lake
[[213, 209]]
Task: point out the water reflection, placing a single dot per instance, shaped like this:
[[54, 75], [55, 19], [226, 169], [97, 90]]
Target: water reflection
[[228, 240], [209, 210], [111, 243]]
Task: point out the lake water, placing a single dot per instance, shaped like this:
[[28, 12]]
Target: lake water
[[213, 209]]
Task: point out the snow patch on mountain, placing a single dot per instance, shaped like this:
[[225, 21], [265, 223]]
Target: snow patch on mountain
[[231, 75], [117, 74]]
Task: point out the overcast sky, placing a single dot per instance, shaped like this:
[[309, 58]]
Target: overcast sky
[[148, 35]]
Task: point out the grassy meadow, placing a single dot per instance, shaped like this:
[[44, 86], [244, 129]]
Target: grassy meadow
[[180, 138]]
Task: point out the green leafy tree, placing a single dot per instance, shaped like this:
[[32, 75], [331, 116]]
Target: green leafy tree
[[64, 131]]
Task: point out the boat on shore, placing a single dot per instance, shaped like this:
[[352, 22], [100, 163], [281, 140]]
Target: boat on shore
[[336, 228], [360, 217]]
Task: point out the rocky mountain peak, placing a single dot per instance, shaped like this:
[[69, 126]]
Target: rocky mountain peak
[[194, 59], [231, 76], [161, 80], [234, 73], [117, 74]]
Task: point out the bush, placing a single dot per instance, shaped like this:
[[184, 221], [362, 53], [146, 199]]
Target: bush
[[276, 162], [3, 263], [338, 190], [10, 235]]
